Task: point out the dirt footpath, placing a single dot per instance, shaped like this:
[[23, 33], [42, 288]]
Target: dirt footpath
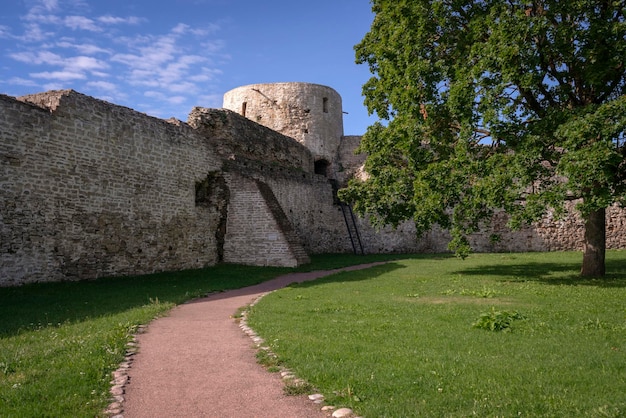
[[197, 362]]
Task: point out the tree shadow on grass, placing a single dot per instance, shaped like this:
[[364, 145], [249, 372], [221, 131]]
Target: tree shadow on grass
[[552, 273], [42, 305], [352, 276]]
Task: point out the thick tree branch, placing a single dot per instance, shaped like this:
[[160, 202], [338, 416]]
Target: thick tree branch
[[532, 103]]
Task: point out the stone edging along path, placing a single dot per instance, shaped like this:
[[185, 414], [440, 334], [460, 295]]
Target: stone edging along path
[[289, 378], [164, 358]]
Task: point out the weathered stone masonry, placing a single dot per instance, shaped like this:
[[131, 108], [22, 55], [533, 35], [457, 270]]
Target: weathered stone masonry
[[91, 189]]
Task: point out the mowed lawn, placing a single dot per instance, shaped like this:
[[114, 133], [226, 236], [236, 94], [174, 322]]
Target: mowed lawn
[[435, 336]]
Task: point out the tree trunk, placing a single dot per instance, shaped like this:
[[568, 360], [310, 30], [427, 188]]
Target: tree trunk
[[595, 244]]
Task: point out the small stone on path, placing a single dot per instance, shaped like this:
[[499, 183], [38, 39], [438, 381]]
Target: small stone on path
[[342, 413], [316, 397]]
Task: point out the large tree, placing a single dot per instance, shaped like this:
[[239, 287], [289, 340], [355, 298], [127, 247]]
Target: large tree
[[494, 105]]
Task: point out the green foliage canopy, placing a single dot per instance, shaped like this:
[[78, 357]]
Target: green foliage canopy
[[492, 105]]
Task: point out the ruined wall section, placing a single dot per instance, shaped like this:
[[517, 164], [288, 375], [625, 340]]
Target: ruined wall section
[[308, 203], [90, 189], [258, 232], [255, 152], [306, 200], [550, 233], [234, 137]]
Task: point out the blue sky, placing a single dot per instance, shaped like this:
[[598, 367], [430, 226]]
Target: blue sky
[[163, 57]]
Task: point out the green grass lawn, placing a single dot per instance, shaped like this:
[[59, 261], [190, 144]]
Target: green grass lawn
[[412, 337], [59, 342]]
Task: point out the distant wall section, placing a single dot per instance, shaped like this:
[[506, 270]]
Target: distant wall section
[[547, 234]]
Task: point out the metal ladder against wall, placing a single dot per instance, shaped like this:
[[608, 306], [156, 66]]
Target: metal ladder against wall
[[353, 229], [348, 217]]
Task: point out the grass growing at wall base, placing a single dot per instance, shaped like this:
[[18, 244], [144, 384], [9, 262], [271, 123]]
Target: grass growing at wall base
[[493, 335], [59, 342]]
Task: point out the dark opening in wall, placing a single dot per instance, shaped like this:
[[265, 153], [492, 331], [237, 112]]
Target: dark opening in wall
[[325, 104], [321, 167], [212, 193], [243, 108]]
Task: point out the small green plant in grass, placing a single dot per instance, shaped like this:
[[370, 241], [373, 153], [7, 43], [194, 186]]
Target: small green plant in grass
[[240, 312], [348, 394], [497, 320], [295, 387], [484, 292], [268, 360]]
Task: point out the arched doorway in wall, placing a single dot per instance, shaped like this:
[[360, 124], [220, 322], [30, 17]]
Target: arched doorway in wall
[[321, 167]]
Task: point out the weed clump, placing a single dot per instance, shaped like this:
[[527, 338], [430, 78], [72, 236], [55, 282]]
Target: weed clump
[[497, 320]]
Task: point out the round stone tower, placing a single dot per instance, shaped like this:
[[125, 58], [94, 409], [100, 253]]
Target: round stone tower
[[309, 113]]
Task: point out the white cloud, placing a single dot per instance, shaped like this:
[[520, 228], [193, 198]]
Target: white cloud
[[181, 87], [18, 81], [54, 86], [50, 5], [180, 67], [150, 53], [205, 74], [176, 100], [103, 85], [34, 33], [41, 57], [212, 46], [81, 22], [154, 94], [5, 32], [88, 49], [113, 20], [83, 63], [70, 65], [181, 28], [59, 75], [211, 28], [46, 19]]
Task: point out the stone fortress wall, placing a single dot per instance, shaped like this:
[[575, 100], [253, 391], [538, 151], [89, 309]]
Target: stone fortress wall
[[91, 189]]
